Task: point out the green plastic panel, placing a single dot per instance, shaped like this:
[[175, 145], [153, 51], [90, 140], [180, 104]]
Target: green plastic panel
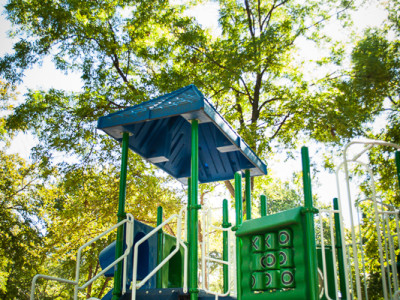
[[172, 271], [277, 268]]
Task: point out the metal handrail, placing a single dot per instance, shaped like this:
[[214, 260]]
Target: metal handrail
[[179, 242], [129, 242], [204, 244], [368, 144]]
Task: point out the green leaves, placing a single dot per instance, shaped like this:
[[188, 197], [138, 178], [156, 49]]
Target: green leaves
[[20, 235]]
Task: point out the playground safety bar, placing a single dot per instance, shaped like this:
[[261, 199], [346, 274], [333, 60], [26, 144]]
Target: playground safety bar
[[179, 242], [205, 258], [330, 213], [388, 239], [129, 242], [368, 144]]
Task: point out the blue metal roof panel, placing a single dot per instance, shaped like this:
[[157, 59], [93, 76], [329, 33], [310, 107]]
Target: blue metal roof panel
[[160, 132]]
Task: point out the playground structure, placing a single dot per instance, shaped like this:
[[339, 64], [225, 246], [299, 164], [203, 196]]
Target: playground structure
[[272, 257]]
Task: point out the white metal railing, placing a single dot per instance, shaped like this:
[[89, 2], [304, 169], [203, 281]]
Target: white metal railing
[[324, 272], [207, 227], [179, 242], [386, 250], [129, 242]]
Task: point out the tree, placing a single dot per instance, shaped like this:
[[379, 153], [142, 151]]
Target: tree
[[80, 167], [373, 80], [20, 231], [129, 51]]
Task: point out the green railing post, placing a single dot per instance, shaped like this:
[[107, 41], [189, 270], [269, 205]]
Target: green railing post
[[225, 249], [339, 249], [263, 200], [225, 252], [310, 231], [398, 166], [194, 292], [239, 220], [160, 246], [119, 248], [248, 194], [188, 227]]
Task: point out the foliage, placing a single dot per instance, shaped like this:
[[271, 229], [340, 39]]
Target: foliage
[[129, 51], [20, 231], [374, 80], [250, 70]]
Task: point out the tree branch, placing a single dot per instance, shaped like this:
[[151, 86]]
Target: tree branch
[[103, 287], [247, 89], [268, 17], [269, 101], [230, 188], [327, 18], [392, 100], [250, 19], [280, 126]]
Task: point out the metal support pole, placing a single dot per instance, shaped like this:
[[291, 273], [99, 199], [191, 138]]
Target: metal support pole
[[263, 200], [119, 248], [225, 250], [248, 194], [239, 220], [342, 277], [160, 246], [193, 208], [188, 220], [398, 166], [309, 231]]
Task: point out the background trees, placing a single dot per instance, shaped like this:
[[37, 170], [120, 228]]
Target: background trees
[[127, 52]]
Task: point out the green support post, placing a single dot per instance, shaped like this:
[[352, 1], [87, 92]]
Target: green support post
[[194, 292], [309, 232], [248, 194], [225, 249], [339, 249], [160, 246], [239, 220], [188, 226], [398, 166], [119, 248], [263, 200]]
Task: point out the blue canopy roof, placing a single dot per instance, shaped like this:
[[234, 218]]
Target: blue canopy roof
[[160, 133]]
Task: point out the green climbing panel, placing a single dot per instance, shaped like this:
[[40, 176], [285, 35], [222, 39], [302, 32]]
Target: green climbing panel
[[172, 272], [273, 257]]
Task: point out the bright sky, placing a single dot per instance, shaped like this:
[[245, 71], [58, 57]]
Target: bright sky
[[46, 76]]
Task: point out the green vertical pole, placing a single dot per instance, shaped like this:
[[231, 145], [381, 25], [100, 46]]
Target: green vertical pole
[[339, 249], [248, 194], [194, 292], [239, 220], [160, 246], [225, 249], [119, 248], [309, 230], [263, 200], [398, 166], [188, 219]]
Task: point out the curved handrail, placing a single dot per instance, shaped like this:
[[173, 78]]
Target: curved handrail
[[368, 143], [136, 285], [129, 242]]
